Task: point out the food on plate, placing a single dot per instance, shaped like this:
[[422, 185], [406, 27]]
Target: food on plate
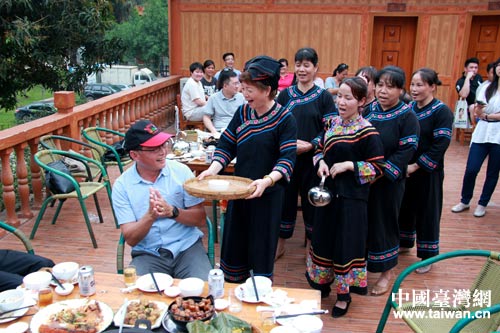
[[142, 309], [85, 318], [189, 309]]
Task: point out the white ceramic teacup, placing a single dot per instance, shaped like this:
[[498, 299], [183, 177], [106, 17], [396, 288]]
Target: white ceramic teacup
[[263, 284]]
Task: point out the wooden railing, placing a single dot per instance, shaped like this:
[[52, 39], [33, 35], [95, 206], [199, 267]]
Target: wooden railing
[[154, 101]]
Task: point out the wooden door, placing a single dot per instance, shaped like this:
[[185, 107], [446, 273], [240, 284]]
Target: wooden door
[[484, 41], [393, 43]]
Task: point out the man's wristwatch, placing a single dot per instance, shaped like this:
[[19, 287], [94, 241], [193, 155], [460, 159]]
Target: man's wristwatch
[[175, 212]]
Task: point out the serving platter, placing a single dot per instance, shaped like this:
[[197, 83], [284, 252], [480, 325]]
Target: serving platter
[[238, 188], [120, 314], [43, 316]]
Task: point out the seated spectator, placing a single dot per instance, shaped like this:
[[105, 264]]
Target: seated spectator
[[15, 265], [229, 64], [222, 105], [286, 77], [193, 95], [208, 81], [156, 216], [332, 83]]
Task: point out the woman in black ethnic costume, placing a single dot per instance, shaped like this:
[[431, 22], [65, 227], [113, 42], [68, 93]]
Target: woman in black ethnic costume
[[312, 106], [423, 199], [262, 135], [352, 155], [368, 73], [399, 130]]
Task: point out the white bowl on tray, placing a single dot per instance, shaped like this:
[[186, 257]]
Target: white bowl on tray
[[218, 184]]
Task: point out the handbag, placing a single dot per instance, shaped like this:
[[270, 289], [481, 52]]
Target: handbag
[[74, 165], [461, 114], [58, 184], [118, 147]]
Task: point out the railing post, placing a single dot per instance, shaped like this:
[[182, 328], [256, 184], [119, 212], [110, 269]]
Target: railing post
[[9, 195], [64, 101], [22, 181]]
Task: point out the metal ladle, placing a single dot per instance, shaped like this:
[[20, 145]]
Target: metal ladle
[[319, 196]]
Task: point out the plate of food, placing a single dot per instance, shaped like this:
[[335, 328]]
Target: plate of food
[[244, 296], [145, 282], [145, 309], [82, 315]]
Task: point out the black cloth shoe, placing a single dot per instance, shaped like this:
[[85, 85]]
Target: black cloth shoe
[[358, 290], [338, 312]]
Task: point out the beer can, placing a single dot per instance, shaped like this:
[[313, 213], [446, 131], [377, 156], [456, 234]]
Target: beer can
[[216, 283], [209, 154], [86, 281]]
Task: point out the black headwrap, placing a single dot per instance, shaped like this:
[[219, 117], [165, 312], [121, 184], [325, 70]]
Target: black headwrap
[[264, 69]]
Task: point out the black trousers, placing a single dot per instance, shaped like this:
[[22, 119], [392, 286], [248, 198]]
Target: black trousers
[[14, 265]]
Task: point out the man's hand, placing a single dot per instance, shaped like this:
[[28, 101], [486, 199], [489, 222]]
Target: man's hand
[[158, 207]]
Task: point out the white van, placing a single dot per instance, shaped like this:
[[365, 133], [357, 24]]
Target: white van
[[144, 75]]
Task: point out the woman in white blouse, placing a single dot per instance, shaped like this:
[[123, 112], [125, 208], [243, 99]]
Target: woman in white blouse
[[485, 142]]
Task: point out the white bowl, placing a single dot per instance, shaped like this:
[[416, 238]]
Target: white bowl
[[11, 299], [191, 287], [37, 280], [218, 184], [197, 153], [172, 291], [307, 324], [221, 303], [68, 289], [262, 283], [65, 270]]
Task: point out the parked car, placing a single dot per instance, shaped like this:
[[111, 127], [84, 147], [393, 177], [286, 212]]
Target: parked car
[[34, 111], [97, 90], [124, 86]]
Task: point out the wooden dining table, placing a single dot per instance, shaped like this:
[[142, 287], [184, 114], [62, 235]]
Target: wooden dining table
[[109, 291]]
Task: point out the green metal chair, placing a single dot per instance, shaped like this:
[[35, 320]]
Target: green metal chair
[[19, 234], [55, 142], [488, 279], [120, 249], [94, 136], [82, 191]]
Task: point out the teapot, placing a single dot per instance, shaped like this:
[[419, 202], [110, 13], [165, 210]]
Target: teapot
[[179, 146], [319, 196]]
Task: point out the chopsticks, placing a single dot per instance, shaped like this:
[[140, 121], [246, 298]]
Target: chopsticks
[[254, 285], [120, 330], [55, 279], [156, 283], [320, 312], [14, 310], [17, 317]]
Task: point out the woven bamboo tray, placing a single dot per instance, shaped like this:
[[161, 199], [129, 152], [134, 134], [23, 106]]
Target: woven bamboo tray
[[238, 188]]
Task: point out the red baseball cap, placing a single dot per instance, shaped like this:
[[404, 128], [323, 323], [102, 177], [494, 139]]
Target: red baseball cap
[[144, 134]]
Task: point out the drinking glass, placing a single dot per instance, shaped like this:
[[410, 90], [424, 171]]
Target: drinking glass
[[266, 321], [234, 303], [130, 275], [44, 297]]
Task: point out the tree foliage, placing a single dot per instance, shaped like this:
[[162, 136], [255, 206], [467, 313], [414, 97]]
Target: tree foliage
[[40, 41], [145, 33]]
